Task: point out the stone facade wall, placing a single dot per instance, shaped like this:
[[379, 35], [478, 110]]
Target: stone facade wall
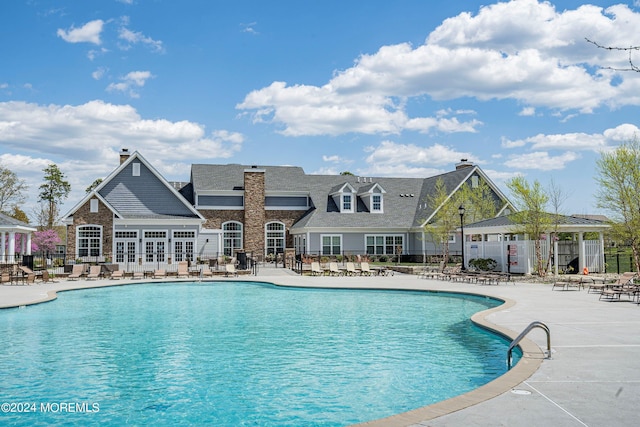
[[254, 213], [84, 216]]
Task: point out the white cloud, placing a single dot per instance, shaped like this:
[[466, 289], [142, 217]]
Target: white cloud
[[527, 111], [392, 156], [577, 141], [133, 37], [129, 82], [249, 28], [522, 50], [93, 134], [88, 33], [99, 73], [541, 160]]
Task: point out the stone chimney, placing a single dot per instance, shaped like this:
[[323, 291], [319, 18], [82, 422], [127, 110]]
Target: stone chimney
[[464, 163], [254, 213], [124, 155]]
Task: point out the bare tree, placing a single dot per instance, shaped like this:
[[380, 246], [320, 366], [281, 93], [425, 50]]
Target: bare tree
[[12, 190], [629, 50]]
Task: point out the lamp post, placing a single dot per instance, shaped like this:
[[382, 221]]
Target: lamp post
[[461, 212]]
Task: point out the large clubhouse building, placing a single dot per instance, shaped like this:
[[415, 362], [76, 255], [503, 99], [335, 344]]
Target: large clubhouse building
[[136, 216]]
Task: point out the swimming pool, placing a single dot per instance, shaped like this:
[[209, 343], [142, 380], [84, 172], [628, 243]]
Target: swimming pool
[[237, 353]]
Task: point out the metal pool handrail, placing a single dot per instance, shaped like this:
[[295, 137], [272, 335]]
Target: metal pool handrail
[[519, 338]]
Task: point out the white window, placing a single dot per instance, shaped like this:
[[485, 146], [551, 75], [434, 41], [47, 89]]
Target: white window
[[331, 244], [346, 203], [89, 240], [183, 244], [126, 246], [275, 236], [376, 203], [474, 181], [155, 246], [384, 245], [93, 205], [231, 237], [136, 169]]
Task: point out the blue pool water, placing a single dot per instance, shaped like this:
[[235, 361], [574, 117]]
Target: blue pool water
[[237, 353]]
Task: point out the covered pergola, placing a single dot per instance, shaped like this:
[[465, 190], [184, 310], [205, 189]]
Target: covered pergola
[[498, 239], [10, 230]]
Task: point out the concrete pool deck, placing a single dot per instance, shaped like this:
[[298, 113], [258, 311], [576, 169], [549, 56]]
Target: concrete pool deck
[[592, 378]]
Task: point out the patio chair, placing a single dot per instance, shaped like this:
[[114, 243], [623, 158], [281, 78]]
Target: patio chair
[[231, 270], [94, 272], [77, 272], [365, 269], [623, 285], [183, 269], [206, 272], [117, 274], [352, 270], [334, 270], [316, 270], [159, 274], [29, 275]]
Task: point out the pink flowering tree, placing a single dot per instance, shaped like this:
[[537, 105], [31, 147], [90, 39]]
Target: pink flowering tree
[[44, 241]]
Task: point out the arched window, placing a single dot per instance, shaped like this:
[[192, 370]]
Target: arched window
[[274, 237], [231, 237]]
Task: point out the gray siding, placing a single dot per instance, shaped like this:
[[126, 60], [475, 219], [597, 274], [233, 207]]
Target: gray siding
[[143, 196], [221, 201]]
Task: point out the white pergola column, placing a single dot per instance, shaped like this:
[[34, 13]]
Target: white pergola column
[[28, 249], [3, 249], [582, 262], [12, 246]]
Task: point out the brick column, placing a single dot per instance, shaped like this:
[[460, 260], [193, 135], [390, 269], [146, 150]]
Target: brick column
[[254, 213]]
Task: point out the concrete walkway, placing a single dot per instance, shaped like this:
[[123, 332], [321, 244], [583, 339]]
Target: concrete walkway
[[592, 378]]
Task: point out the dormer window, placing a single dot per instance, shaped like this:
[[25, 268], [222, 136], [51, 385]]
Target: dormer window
[[346, 203], [376, 203], [344, 197], [372, 195]]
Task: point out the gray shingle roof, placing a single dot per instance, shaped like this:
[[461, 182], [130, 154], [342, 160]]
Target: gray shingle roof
[[8, 221], [404, 204]]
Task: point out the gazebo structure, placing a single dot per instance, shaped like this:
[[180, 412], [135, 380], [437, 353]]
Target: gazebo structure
[[15, 236], [498, 239]]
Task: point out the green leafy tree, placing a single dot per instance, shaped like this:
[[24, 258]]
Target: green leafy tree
[[446, 217], [53, 191], [19, 214], [12, 190], [531, 219], [95, 183], [618, 178], [479, 202]]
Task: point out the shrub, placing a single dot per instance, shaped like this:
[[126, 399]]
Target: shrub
[[484, 264]]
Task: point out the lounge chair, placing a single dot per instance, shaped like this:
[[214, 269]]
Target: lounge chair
[[206, 272], [365, 270], [334, 270], [5, 278], [159, 274], [138, 275], [352, 270], [183, 269], [231, 270], [94, 272], [624, 285], [117, 274], [316, 270], [28, 275], [77, 272]]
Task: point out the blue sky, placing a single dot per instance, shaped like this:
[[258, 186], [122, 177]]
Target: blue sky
[[377, 88]]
